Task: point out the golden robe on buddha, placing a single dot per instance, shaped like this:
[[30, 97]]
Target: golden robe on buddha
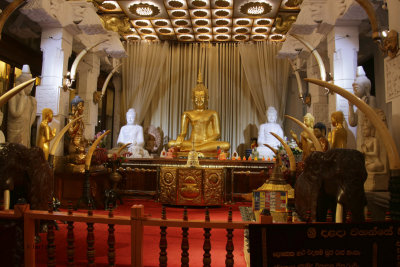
[[205, 125]]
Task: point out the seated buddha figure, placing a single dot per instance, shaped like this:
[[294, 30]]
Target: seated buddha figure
[[264, 136], [205, 126]]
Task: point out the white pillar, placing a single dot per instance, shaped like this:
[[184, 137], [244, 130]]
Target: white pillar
[[89, 70], [343, 45], [394, 23], [56, 45]]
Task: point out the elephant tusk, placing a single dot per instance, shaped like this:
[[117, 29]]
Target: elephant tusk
[[79, 57], [387, 139], [6, 195], [60, 135], [339, 213], [122, 148], [273, 149], [369, 9], [103, 89], [8, 11], [4, 98], [298, 79], [88, 159], [314, 139], [316, 55], [289, 152]]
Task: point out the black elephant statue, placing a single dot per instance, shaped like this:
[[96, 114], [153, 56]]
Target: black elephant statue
[[25, 172], [335, 176]]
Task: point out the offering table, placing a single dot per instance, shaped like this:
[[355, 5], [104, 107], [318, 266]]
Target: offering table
[[143, 176]]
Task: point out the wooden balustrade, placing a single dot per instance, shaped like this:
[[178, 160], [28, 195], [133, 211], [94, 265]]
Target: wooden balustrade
[[137, 221]]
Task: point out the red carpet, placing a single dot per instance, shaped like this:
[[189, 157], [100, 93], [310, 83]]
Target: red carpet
[[151, 239]]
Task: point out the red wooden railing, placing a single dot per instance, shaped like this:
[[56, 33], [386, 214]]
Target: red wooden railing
[[137, 221]]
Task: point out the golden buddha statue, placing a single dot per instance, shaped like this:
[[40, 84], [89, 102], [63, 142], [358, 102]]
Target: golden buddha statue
[[305, 142], [46, 134], [204, 122], [338, 137]]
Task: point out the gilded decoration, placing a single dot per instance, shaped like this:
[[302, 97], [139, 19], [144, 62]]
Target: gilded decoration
[[117, 24], [167, 185], [190, 185], [213, 186], [283, 23]]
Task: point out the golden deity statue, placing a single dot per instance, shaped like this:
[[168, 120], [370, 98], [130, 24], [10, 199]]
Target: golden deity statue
[[204, 123], [338, 137], [46, 134], [305, 142], [77, 143]]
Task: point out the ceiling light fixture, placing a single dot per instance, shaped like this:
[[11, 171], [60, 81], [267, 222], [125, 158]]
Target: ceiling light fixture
[[255, 8], [144, 10]]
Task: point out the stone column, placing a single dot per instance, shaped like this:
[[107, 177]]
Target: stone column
[[89, 70], [56, 45], [343, 47]]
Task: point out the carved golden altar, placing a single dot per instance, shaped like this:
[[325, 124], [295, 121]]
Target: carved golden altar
[[191, 186]]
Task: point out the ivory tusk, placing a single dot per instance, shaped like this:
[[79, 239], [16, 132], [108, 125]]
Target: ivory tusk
[[88, 159], [10, 8], [273, 149], [4, 98], [6, 195], [387, 139], [60, 135], [289, 152], [339, 213], [122, 148], [78, 59], [316, 55], [298, 79], [369, 9], [314, 139], [103, 89]]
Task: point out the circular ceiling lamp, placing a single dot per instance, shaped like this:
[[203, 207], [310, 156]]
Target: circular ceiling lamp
[[222, 30], [222, 3], [184, 30], [144, 10], [259, 37], [241, 30], [263, 22], [203, 30], [203, 37], [222, 22], [178, 13], [199, 3], [240, 37], [161, 23], [243, 22], [222, 37], [141, 23], [255, 8], [175, 3], [165, 31], [222, 13], [277, 37], [261, 30], [186, 37], [108, 5], [200, 13], [151, 37]]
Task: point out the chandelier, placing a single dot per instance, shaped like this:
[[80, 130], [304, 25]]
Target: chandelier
[[255, 8], [144, 10]]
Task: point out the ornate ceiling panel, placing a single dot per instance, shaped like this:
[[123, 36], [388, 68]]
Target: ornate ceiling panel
[[200, 20]]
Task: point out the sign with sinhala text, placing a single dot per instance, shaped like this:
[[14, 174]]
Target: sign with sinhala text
[[372, 244]]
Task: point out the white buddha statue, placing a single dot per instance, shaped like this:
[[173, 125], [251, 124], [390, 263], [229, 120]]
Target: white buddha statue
[[21, 112], [132, 133], [264, 136]]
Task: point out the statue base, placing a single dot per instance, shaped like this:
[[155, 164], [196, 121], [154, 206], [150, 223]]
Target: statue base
[[210, 155], [377, 182]]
